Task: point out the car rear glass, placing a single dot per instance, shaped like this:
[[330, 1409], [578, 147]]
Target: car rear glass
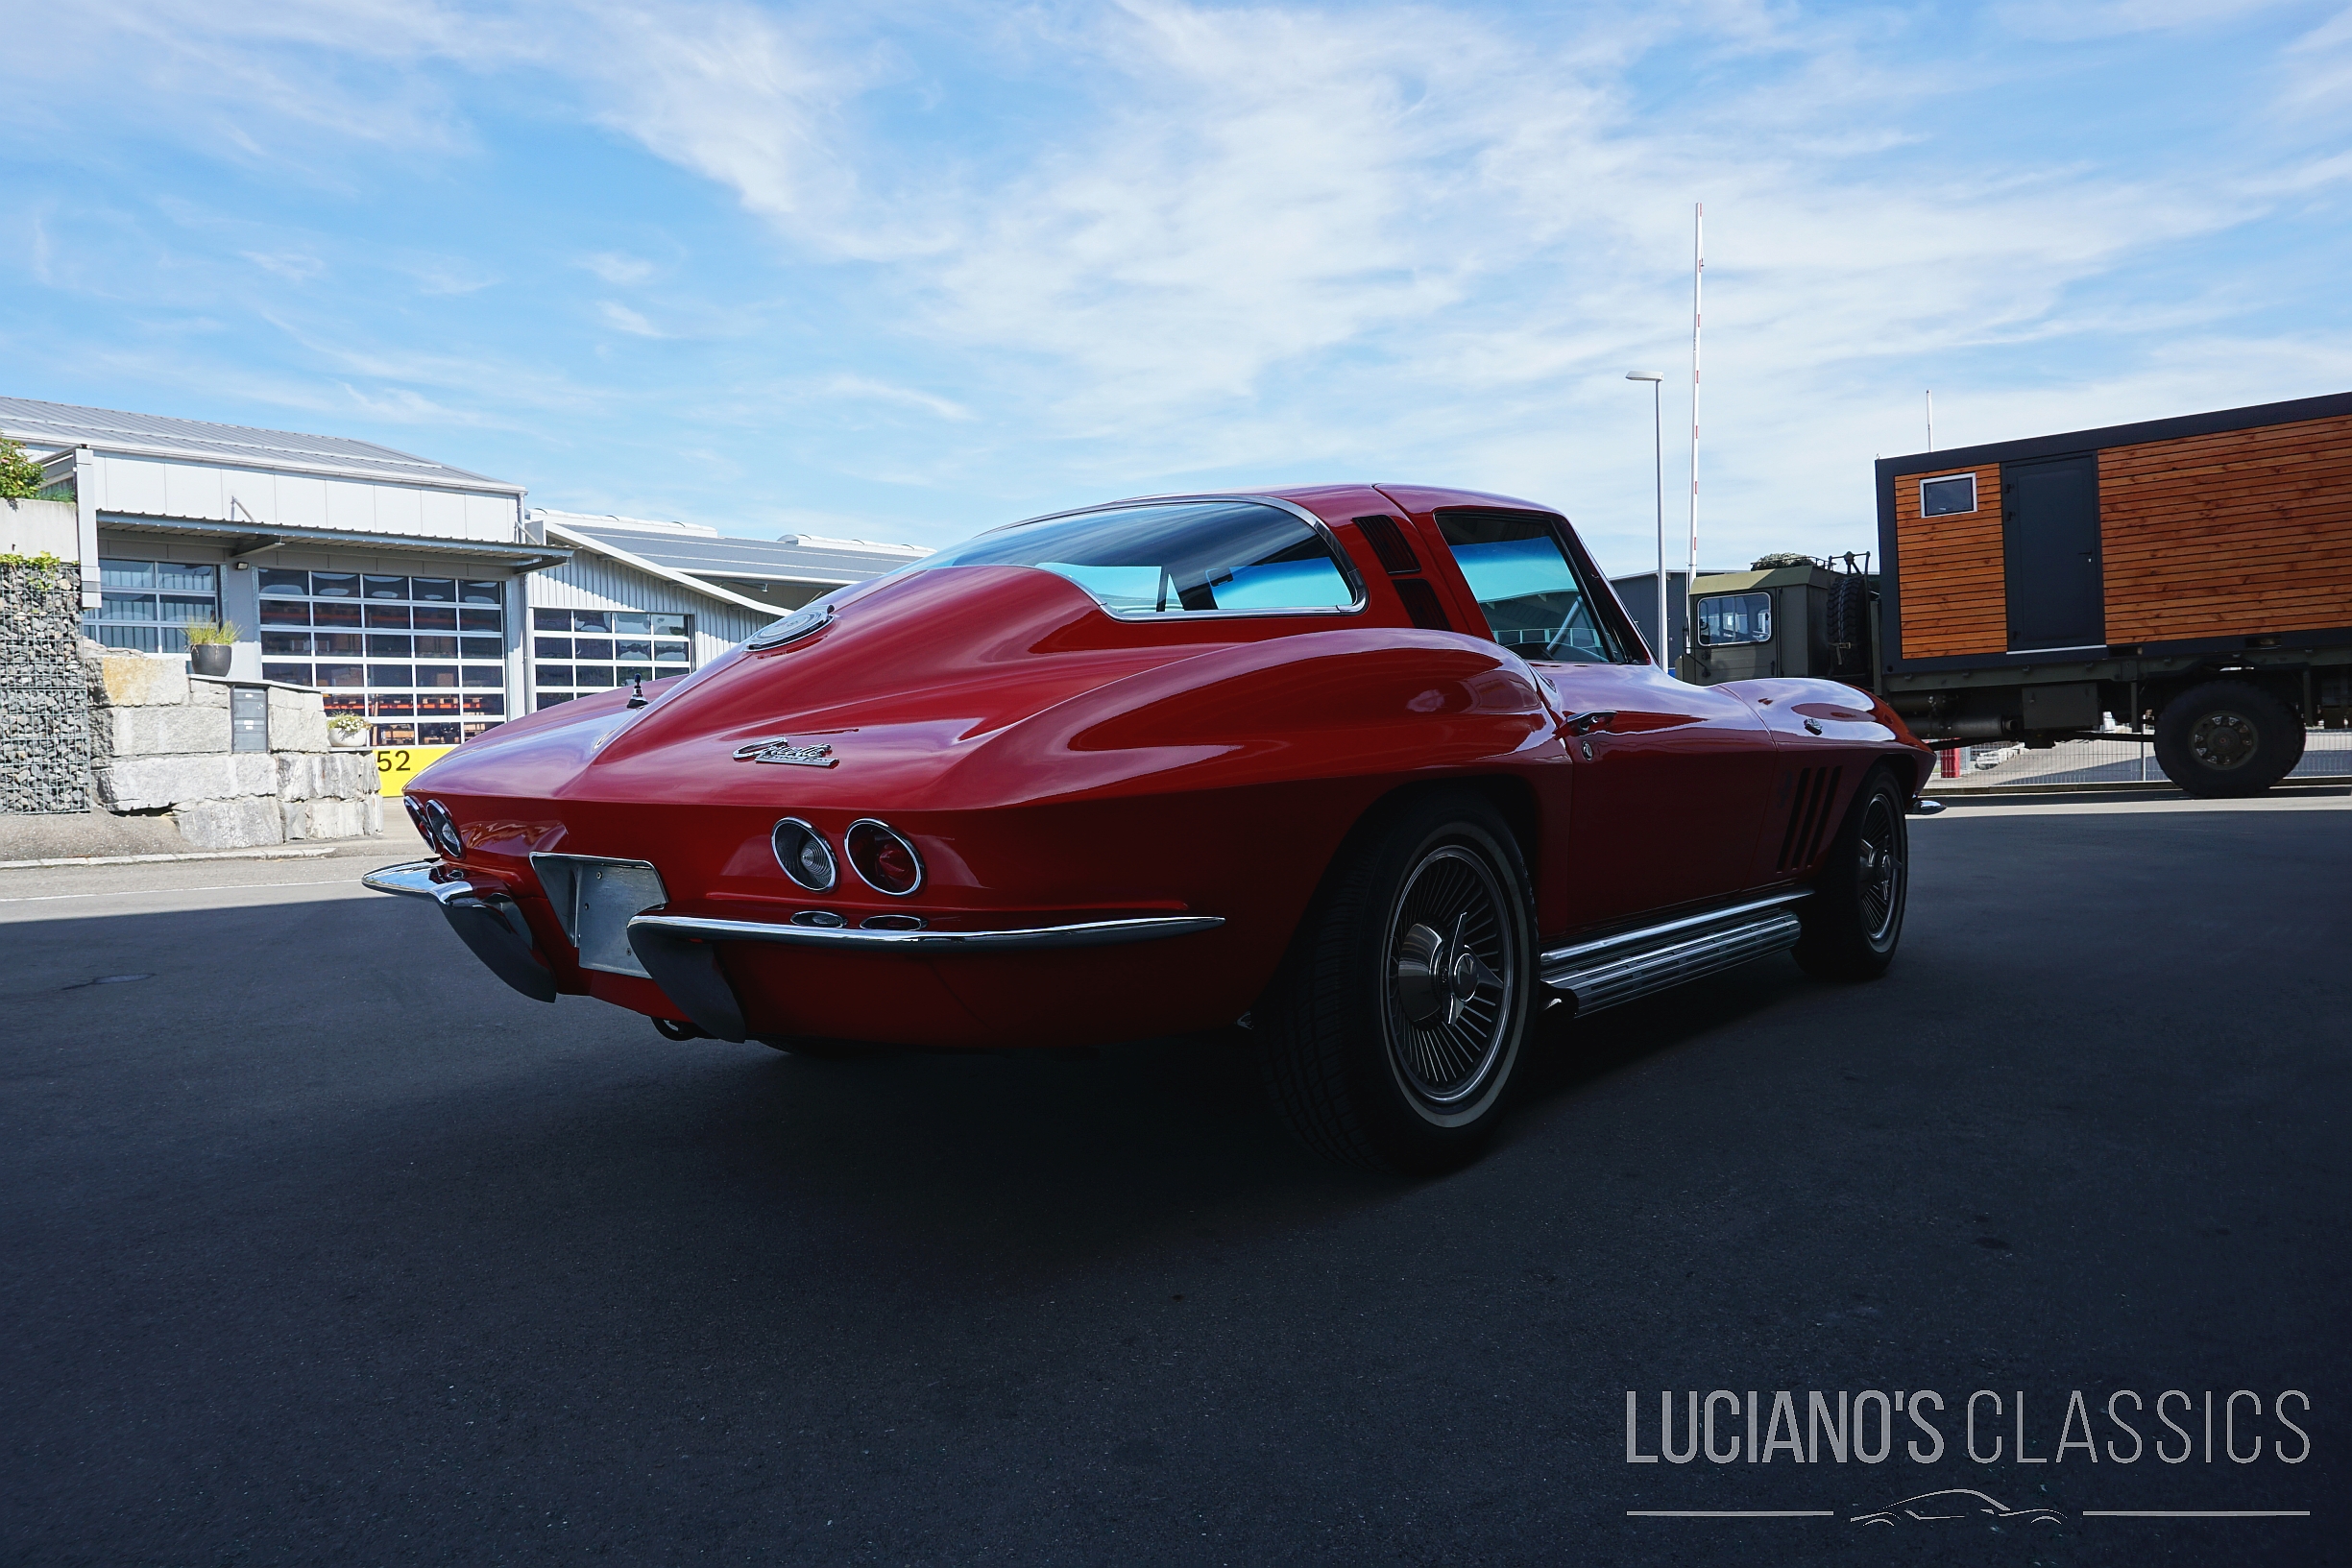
[[1534, 601], [1175, 558]]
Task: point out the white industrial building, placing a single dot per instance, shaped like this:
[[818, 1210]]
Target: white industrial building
[[659, 599], [422, 596]]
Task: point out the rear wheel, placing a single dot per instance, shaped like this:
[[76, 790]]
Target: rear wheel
[[1392, 1034], [2226, 737], [1854, 920]]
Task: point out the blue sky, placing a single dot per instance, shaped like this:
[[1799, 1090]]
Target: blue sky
[[904, 270]]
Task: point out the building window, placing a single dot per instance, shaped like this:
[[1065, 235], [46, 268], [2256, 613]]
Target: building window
[[575, 653], [422, 659], [1948, 497], [148, 605]]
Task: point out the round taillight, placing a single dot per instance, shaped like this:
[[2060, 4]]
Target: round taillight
[[442, 829], [883, 858], [802, 853]]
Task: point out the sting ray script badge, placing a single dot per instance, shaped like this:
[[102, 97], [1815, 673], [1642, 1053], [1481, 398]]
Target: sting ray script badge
[[779, 748]]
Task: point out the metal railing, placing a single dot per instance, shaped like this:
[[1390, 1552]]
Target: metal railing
[[2327, 754]]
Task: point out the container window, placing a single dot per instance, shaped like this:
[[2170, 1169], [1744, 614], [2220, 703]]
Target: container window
[[1948, 496]]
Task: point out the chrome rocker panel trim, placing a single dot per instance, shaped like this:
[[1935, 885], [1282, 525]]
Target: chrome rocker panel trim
[[1611, 970], [491, 924], [1092, 933]]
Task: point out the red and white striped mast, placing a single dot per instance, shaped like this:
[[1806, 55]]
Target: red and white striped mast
[[1690, 580]]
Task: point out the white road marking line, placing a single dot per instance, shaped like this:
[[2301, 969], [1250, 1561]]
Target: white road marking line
[[152, 892]]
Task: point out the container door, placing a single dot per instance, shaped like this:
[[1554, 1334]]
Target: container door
[[2050, 543]]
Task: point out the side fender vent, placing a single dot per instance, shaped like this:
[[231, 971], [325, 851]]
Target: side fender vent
[[1388, 543], [1808, 816]]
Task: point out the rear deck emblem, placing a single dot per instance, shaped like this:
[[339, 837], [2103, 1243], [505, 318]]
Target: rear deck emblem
[[779, 748]]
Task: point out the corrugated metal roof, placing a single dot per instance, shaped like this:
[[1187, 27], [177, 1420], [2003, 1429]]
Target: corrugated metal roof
[[41, 424], [752, 560]]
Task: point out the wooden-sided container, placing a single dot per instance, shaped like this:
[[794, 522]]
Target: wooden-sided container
[[2200, 535]]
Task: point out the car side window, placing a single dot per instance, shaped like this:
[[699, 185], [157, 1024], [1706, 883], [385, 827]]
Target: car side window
[[1534, 601]]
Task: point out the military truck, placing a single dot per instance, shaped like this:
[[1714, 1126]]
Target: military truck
[[2191, 577]]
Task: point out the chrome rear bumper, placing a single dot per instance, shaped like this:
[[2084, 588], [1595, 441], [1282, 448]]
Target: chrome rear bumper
[[491, 924], [677, 950], [1090, 934]]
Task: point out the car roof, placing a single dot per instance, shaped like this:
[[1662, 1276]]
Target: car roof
[[1414, 497]]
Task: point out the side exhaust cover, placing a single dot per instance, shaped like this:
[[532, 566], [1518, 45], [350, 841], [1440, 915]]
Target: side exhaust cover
[[487, 926], [689, 975], [491, 924]]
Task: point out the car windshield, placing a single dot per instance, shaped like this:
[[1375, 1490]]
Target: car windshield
[[1523, 583], [1161, 558]]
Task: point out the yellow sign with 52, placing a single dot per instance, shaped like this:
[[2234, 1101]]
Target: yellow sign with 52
[[396, 765]]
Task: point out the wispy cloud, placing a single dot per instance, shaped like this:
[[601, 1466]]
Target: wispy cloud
[[621, 316], [867, 389], [615, 268], [292, 266]]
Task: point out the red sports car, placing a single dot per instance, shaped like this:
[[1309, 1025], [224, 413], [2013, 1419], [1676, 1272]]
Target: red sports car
[[1376, 773]]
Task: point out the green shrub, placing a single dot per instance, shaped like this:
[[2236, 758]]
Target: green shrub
[[20, 478]]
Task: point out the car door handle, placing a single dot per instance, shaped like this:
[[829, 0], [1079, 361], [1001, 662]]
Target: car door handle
[[1587, 722]]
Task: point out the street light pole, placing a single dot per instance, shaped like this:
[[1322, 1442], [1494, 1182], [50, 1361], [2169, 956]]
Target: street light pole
[[1658, 450]]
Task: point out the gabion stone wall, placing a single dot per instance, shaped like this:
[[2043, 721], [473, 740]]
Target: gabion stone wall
[[44, 700]]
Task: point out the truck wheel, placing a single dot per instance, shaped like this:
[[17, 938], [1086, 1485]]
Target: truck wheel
[[2225, 738], [1854, 920], [1391, 1034]]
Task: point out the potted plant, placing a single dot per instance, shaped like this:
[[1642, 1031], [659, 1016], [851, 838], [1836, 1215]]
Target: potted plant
[[346, 732], [211, 642]]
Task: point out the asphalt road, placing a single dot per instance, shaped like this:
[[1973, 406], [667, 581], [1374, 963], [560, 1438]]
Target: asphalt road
[[320, 1245]]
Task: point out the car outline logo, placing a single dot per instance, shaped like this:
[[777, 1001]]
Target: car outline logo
[[1956, 1503]]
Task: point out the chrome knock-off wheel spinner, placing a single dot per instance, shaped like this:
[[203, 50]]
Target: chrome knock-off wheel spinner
[[1452, 971]]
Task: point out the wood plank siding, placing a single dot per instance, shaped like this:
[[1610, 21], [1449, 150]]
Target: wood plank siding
[[2239, 533], [1954, 598]]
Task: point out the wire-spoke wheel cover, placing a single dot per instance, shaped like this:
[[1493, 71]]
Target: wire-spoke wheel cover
[[1879, 865], [1452, 964]]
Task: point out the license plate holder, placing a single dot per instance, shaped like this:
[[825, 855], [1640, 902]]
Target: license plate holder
[[595, 899]]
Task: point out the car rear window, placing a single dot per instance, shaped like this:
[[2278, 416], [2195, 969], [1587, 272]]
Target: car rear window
[[1173, 558], [1534, 601]]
